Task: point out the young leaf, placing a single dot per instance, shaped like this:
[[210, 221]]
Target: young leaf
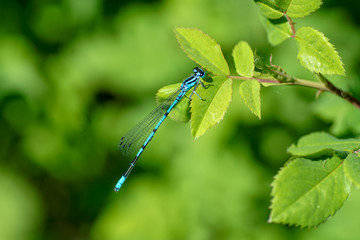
[[318, 143], [278, 30], [202, 49], [316, 53], [305, 193], [250, 92], [302, 8], [244, 59], [181, 112], [352, 168], [270, 9], [206, 113]]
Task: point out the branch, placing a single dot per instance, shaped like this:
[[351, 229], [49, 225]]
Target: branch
[[345, 95], [292, 25], [254, 78], [325, 86], [296, 81]]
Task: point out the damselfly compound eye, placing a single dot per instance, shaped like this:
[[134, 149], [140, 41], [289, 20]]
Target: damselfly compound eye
[[199, 72]]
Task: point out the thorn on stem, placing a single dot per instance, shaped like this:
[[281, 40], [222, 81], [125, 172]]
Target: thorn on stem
[[318, 93]]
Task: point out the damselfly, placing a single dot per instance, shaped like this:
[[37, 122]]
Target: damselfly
[[144, 131]]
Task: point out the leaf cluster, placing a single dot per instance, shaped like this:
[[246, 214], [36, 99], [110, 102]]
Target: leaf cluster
[[316, 181], [206, 52]]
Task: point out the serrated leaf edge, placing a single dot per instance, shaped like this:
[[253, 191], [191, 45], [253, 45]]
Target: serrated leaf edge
[[306, 14], [189, 56], [220, 119], [247, 103], [268, 7], [324, 57], [314, 145], [236, 64], [298, 225]]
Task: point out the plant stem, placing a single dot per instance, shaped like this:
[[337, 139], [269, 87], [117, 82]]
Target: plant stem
[[345, 95], [291, 23], [311, 84], [296, 81], [325, 86], [257, 79]]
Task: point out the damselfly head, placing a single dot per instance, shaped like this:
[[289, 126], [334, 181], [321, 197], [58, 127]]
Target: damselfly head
[[199, 72]]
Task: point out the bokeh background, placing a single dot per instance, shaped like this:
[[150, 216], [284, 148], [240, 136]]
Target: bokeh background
[[76, 75]]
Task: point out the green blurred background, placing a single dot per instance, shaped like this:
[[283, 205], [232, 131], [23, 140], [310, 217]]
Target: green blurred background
[[75, 75]]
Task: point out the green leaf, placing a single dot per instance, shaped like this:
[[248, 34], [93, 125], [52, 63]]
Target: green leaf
[[244, 59], [321, 143], [272, 9], [305, 193], [316, 53], [250, 92], [202, 49], [302, 8], [352, 168], [283, 4], [181, 112], [207, 113], [278, 30]]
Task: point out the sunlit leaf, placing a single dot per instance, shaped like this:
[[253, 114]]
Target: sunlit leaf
[[271, 9], [316, 53], [320, 143], [181, 111], [202, 49], [250, 92], [244, 59], [302, 8], [278, 30], [207, 113], [352, 168], [305, 193], [283, 4]]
